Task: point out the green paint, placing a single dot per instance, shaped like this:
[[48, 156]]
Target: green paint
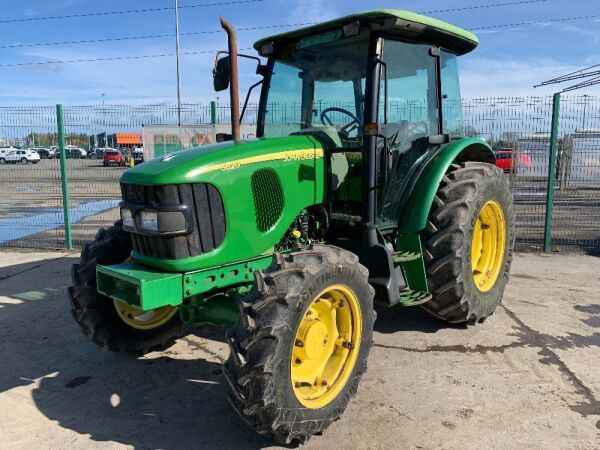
[[467, 38], [149, 288], [139, 286], [413, 269], [64, 182], [551, 172], [416, 210], [202, 281], [226, 166]]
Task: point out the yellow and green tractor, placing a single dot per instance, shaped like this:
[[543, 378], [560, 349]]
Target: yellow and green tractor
[[360, 191]]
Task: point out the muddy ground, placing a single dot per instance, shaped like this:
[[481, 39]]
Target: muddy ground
[[529, 377]]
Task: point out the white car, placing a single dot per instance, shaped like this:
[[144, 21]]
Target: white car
[[22, 156]]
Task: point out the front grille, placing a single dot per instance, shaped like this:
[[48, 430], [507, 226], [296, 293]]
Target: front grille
[[206, 205]]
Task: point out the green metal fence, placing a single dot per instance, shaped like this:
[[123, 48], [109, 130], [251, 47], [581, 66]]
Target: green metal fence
[[33, 207]]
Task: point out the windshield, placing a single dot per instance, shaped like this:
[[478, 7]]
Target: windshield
[[317, 87]]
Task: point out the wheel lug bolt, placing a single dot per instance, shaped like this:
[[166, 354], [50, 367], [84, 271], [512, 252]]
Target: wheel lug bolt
[[298, 361], [324, 383], [297, 384], [299, 343], [348, 345], [485, 227]]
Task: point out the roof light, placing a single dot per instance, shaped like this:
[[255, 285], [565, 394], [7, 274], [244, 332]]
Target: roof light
[[266, 49], [351, 29]]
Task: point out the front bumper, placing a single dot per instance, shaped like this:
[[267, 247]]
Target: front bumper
[[148, 288]]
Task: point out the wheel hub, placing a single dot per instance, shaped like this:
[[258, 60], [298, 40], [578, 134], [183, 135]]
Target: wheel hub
[[314, 340]]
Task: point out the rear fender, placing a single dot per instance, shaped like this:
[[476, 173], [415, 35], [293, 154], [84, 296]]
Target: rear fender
[[416, 210]]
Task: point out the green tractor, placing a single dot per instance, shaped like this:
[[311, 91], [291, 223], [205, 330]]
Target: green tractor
[[360, 190]]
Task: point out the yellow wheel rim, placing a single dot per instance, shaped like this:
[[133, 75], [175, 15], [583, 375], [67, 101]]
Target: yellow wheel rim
[[487, 247], [326, 346], [144, 320]]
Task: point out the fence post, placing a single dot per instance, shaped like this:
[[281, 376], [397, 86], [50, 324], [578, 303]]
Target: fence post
[[551, 171], [213, 113], [63, 175]]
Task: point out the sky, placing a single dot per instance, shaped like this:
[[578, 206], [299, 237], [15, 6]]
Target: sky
[[508, 61]]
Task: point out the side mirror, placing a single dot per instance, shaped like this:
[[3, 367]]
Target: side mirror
[[221, 74]]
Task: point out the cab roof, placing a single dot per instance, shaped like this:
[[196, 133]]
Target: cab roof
[[395, 22]]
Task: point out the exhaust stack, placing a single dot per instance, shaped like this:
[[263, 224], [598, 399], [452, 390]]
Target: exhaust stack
[[234, 95]]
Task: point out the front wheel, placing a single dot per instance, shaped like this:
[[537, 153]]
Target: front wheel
[[301, 344], [468, 243], [108, 323], [23, 160]]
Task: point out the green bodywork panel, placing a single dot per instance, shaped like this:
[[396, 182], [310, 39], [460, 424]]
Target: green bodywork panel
[[416, 210], [298, 162], [468, 40], [139, 286], [149, 288], [202, 281]]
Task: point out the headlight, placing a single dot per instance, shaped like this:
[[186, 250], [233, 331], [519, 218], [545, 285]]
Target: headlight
[[159, 222], [127, 218], [149, 221]]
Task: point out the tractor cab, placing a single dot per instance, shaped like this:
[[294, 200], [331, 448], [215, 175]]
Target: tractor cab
[[381, 94]]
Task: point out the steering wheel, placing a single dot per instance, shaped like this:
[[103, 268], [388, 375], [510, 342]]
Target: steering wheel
[[345, 130]]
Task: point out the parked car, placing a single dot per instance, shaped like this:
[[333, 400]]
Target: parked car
[[76, 153], [98, 152], [5, 150], [46, 153], [113, 157], [22, 156], [505, 159]]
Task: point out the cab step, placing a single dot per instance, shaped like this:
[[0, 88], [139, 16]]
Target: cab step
[[408, 297], [401, 257]]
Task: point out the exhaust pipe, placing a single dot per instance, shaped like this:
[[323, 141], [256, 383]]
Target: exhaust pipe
[[234, 95]]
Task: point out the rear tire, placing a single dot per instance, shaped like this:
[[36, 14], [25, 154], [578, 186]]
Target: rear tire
[[465, 191], [97, 315], [263, 362]]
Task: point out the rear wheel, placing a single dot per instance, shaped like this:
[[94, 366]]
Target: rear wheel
[[114, 325], [2, 161], [301, 344], [468, 243], [24, 160]]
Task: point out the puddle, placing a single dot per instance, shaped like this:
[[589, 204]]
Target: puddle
[[49, 219]]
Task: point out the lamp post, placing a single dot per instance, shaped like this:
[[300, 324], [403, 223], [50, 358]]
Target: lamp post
[[177, 58]]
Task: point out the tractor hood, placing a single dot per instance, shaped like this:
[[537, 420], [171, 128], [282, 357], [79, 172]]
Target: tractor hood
[[257, 190], [220, 160]]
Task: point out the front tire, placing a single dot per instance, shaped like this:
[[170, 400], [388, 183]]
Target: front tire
[[301, 343], [468, 243], [108, 323]]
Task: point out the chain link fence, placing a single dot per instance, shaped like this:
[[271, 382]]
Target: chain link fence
[[31, 214]]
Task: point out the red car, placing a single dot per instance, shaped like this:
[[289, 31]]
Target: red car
[[505, 159], [113, 157]]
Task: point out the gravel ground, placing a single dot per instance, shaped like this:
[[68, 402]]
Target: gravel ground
[[526, 378]]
